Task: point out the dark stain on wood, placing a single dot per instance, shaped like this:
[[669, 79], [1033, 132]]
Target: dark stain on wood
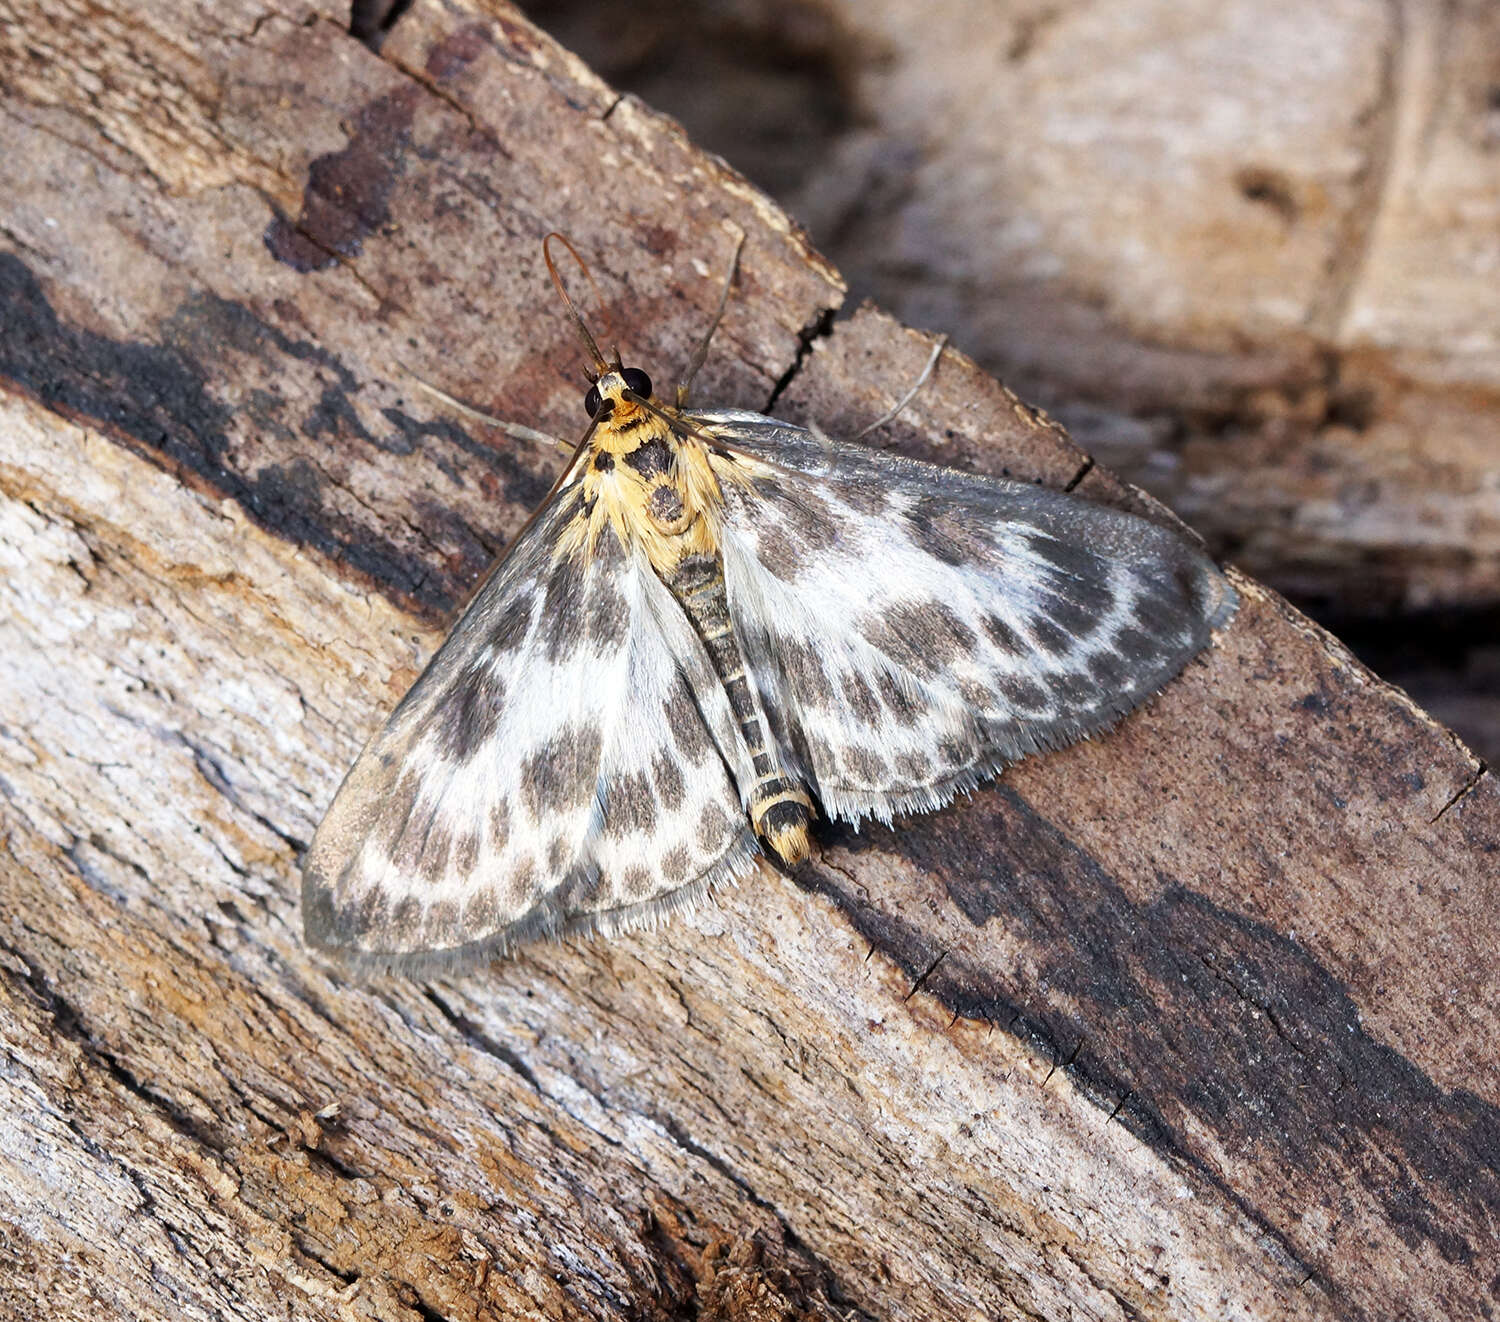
[[348, 192], [161, 400], [1192, 1018], [458, 50]]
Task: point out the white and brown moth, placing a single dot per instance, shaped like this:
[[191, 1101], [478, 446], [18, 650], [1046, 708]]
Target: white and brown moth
[[717, 627]]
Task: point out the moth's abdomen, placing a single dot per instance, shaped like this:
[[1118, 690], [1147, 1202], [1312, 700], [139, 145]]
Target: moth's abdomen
[[780, 809]]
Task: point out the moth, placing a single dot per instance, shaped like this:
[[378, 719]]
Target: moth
[[715, 629]]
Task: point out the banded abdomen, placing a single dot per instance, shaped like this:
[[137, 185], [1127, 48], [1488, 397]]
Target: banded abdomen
[[780, 809]]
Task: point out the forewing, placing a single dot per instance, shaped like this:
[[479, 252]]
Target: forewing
[[549, 772], [914, 629]]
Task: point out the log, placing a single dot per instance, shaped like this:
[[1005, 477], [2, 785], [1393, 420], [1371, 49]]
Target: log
[[1243, 251], [1198, 1019]]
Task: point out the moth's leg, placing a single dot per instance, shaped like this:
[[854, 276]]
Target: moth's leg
[[515, 430], [700, 355], [893, 413]]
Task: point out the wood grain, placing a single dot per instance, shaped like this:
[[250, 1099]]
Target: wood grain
[[1198, 1019]]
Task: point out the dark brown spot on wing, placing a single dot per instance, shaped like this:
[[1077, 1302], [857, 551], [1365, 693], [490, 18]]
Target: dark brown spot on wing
[[560, 628], [941, 530], [469, 713], [864, 497], [406, 921], [637, 883], [522, 884], [1072, 616], [1022, 693], [674, 866], [713, 830], [780, 553], [561, 775], [1004, 636], [811, 520], [805, 675], [372, 913], [686, 722], [976, 694], [861, 698], [631, 806], [433, 865], [914, 768], [407, 855], [922, 636], [1051, 637], [499, 824], [1077, 691], [1092, 593], [864, 765], [511, 622], [1160, 602], [1136, 645], [668, 780], [1109, 671], [396, 812], [481, 913], [466, 853], [906, 708], [1072, 560], [956, 752], [442, 920], [607, 614], [817, 752]]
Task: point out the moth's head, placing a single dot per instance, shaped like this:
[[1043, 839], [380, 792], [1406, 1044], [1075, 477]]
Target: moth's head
[[606, 397]]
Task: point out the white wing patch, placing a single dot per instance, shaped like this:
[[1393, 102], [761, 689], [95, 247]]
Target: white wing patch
[[913, 629], [557, 768]]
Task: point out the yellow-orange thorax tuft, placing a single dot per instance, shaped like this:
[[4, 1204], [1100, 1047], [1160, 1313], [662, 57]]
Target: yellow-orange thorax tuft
[[653, 487]]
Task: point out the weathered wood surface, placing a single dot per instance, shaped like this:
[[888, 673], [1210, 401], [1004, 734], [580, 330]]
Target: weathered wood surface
[[1195, 1020]]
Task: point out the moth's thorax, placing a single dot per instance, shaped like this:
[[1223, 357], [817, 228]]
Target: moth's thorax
[[653, 488]]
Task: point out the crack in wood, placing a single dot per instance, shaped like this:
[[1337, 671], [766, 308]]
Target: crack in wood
[[1084, 470], [923, 976], [1406, 74], [476, 1037], [1461, 793], [819, 328]]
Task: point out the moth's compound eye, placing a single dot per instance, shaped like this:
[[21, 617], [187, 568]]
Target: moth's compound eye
[[591, 400], [637, 381]]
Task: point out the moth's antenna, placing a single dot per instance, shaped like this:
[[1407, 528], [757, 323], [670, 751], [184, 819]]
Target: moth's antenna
[[515, 430], [890, 415], [583, 331], [700, 354]]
